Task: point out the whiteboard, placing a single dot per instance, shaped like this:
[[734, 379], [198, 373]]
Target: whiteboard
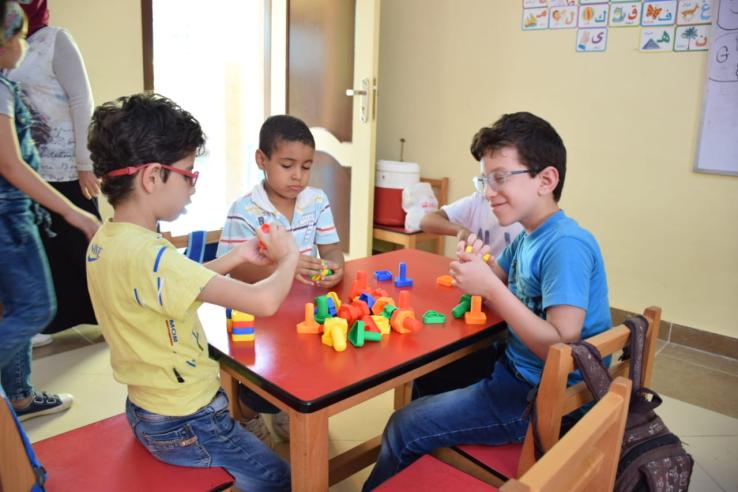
[[717, 149]]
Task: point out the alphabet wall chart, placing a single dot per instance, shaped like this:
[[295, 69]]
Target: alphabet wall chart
[[665, 25]]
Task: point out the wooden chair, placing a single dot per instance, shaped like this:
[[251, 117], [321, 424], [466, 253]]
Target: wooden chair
[[585, 459], [496, 464], [103, 455], [407, 239]]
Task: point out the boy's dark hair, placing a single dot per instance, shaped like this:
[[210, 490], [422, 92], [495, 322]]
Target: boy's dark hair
[[283, 127], [536, 141], [139, 129]]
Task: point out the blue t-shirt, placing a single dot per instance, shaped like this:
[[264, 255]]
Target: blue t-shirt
[[558, 263]]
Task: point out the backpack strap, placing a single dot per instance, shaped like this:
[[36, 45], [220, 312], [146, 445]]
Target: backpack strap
[[196, 242], [595, 374], [638, 325]]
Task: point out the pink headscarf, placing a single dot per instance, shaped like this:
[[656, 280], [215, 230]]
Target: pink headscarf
[[38, 15]]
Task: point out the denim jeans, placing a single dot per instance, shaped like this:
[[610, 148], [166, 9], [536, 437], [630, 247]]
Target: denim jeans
[[210, 437], [487, 412], [26, 293]]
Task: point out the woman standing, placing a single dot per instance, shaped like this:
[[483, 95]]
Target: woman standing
[[56, 89]]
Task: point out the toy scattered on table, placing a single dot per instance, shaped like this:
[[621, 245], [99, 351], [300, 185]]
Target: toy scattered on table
[[371, 325], [324, 272], [433, 318], [380, 303], [359, 334], [336, 299], [359, 285], [265, 230], [445, 280], [383, 275], [334, 333], [382, 323], [309, 325], [240, 325], [475, 316], [368, 299], [322, 309], [462, 307], [402, 280]]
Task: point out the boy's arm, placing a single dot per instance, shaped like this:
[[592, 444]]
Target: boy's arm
[[437, 222], [264, 297]]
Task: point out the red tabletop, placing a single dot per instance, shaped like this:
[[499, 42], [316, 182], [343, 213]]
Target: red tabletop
[[307, 375]]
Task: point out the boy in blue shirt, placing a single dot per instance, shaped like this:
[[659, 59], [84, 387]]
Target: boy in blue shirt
[[556, 292]]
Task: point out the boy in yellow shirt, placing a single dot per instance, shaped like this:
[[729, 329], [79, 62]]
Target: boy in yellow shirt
[[146, 294]]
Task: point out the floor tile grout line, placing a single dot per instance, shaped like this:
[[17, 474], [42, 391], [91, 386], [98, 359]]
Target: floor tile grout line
[[714, 480]]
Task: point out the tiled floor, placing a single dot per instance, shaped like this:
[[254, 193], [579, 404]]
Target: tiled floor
[[699, 391]]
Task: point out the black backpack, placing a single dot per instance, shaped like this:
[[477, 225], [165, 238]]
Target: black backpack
[[652, 458]]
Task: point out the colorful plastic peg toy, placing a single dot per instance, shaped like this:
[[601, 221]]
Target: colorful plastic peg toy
[[264, 229], [380, 303], [322, 310], [359, 334], [445, 280], [403, 300], [434, 318], [309, 325], [462, 307], [334, 333], [402, 280], [240, 326], [383, 275], [382, 323], [358, 286], [475, 316], [403, 321]]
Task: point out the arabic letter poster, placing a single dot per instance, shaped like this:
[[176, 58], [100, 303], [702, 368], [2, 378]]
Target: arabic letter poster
[[589, 2], [625, 14], [563, 17], [659, 13], [657, 39], [529, 4], [727, 16], [562, 3], [593, 15], [535, 19], [591, 40], [694, 12], [692, 38]]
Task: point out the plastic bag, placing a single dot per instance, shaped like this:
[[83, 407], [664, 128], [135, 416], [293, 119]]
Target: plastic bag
[[417, 200]]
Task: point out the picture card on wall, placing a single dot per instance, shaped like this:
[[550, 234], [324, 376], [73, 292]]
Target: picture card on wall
[[694, 12], [727, 15], [528, 4], [692, 38], [625, 14], [659, 13], [593, 15], [535, 19], [594, 39], [563, 17], [656, 39], [590, 2], [562, 3]]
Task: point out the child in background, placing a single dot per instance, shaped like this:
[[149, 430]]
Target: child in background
[[26, 293], [556, 292], [146, 294], [285, 154]]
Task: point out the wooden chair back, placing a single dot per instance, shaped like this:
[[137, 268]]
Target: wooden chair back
[[555, 400], [586, 458], [16, 472], [181, 241]]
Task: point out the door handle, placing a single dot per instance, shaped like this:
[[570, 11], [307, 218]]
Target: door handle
[[363, 93]]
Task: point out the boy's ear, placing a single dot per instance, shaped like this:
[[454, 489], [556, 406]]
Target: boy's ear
[[260, 158], [150, 177], [549, 179]]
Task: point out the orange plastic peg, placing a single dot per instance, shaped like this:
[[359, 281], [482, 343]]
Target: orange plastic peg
[[309, 325], [475, 316]]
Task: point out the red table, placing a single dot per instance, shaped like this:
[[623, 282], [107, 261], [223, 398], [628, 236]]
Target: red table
[[311, 381]]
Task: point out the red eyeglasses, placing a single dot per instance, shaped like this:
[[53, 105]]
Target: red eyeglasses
[[129, 170]]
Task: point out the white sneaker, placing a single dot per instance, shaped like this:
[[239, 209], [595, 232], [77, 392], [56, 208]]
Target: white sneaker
[[281, 425], [258, 427], [41, 340]]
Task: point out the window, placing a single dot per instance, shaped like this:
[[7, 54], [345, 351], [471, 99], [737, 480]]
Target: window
[[214, 62]]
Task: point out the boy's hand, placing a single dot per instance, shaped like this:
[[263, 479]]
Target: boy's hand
[[474, 246], [307, 266], [84, 221], [470, 275], [333, 279], [249, 252], [278, 241]]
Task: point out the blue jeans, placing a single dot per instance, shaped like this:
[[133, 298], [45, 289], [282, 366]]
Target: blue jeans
[[487, 412], [210, 437], [26, 293]]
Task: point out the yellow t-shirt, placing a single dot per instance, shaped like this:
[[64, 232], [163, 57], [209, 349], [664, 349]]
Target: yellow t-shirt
[[144, 293]]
